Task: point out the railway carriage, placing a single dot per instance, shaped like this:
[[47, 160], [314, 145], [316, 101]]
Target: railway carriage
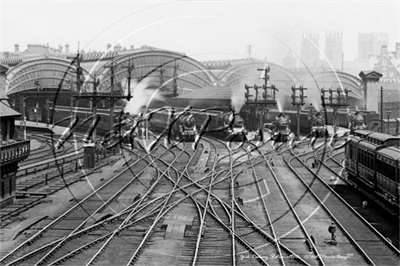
[[351, 151], [366, 162], [372, 161], [388, 174]]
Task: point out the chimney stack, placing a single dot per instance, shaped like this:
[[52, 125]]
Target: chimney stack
[[398, 51], [67, 48], [384, 49], [117, 48], [16, 48]]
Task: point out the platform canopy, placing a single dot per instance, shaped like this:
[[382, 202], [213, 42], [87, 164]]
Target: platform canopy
[[6, 110]]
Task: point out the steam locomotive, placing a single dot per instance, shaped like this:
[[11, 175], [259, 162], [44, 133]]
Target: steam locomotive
[[318, 128], [373, 162], [356, 122], [279, 130], [184, 124], [174, 124]]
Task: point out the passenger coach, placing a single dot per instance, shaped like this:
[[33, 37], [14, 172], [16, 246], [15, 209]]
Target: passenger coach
[[372, 161], [388, 174]]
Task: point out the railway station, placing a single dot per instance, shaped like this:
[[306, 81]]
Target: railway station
[[151, 156], [297, 230]]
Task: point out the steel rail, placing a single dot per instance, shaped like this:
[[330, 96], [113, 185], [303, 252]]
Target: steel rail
[[203, 215], [39, 234], [252, 224], [265, 208], [355, 244], [383, 238], [303, 229], [43, 259]]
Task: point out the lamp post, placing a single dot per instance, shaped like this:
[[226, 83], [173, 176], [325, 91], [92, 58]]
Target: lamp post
[[311, 114], [388, 112], [37, 84], [23, 118], [37, 112], [48, 107], [71, 97]]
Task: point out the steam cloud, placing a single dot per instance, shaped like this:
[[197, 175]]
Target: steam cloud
[[280, 103], [141, 95], [237, 97]]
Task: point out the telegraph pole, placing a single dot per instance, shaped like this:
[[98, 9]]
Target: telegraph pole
[[298, 103], [388, 112], [95, 100], [94, 97], [112, 76], [130, 67], [162, 70], [381, 109], [23, 118], [175, 81]]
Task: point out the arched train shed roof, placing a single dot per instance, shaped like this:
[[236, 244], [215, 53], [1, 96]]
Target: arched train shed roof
[[247, 73], [191, 73], [332, 79], [49, 71]]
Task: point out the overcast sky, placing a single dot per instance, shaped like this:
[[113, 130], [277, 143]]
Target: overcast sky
[[203, 30]]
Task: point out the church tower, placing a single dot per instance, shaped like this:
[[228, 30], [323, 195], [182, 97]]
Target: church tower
[[309, 50], [334, 49]]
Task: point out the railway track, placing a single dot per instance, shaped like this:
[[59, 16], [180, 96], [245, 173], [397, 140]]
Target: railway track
[[368, 242], [47, 151], [376, 212], [175, 206], [73, 220]]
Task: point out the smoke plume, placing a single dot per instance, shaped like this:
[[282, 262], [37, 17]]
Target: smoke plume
[[141, 95], [237, 97]]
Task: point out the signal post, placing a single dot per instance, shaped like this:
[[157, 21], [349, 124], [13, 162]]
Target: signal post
[[261, 102], [298, 101], [95, 97], [341, 99]]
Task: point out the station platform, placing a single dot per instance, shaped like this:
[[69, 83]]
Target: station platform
[[35, 144], [42, 127]]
